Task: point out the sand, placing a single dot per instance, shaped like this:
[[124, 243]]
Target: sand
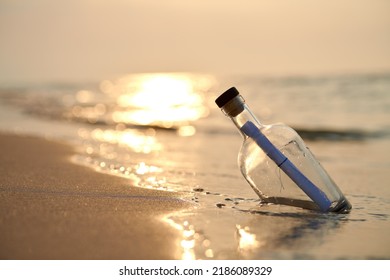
[[51, 208]]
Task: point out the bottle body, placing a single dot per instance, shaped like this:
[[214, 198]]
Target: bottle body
[[276, 163], [273, 185]]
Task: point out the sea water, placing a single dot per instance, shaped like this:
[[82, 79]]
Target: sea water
[[162, 131]]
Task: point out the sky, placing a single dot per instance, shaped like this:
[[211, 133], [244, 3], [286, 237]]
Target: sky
[[88, 40]]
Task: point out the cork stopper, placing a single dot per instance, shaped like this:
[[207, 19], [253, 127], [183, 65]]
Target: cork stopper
[[231, 102]]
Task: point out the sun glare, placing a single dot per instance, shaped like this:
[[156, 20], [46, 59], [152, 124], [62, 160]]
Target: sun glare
[[165, 100]]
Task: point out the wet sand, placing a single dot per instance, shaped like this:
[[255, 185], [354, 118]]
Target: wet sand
[[51, 208]]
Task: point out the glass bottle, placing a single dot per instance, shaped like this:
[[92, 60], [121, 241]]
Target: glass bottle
[[277, 164]]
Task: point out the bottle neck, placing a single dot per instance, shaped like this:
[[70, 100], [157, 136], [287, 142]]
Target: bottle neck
[[237, 110]]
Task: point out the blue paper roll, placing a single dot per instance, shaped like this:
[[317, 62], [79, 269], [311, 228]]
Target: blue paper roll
[[312, 191]]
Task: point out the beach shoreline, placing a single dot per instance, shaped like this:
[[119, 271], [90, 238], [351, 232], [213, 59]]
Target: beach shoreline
[[51, 208], [116, 190]]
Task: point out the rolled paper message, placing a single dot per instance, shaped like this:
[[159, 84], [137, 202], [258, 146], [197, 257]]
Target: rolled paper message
[[311, 190]]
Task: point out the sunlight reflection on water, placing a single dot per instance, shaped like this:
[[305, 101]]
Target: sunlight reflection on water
[[192, 244], [162, 100], [139, 142], [246, 240]]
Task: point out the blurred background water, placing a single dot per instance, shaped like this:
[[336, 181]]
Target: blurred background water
[[163, 131]]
